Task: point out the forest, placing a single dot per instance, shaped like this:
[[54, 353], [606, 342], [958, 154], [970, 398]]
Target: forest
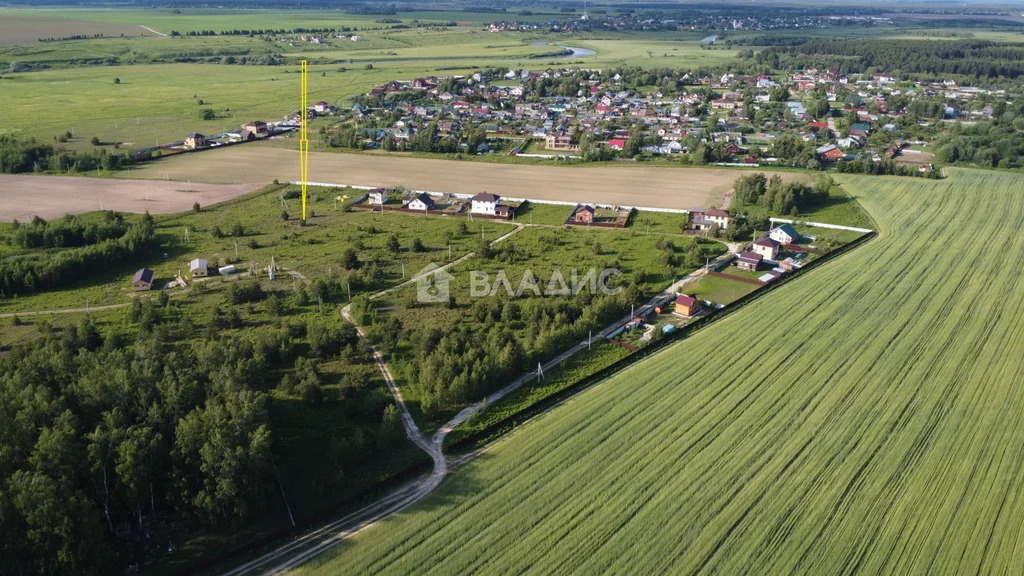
[[115, 438], [35, 271], [976, 58]]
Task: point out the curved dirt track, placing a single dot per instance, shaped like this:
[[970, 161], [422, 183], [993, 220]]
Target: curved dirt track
[[23, 196]]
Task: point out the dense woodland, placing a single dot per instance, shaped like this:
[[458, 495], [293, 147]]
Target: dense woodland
[[977, 58], [112, 438], [37, 271]]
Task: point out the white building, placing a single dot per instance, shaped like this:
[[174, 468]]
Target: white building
[[378, 196], [422, 202], [198, 268], [784, 234], [484, 203]]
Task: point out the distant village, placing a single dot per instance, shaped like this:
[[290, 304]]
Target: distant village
[[734, 119]]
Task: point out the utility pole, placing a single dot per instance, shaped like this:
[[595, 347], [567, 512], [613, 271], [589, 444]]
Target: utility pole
[[590, 340]]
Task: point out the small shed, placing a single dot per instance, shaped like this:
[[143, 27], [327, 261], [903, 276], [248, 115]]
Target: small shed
[[143, 280], [748, 260], [226, 270], [199, 268]]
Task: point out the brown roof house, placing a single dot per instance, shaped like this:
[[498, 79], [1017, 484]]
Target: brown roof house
[[748, 260], [583, 214], [195, 140], [257, 127], [766, 248], [687, 306], [484, 203], [705, 219]]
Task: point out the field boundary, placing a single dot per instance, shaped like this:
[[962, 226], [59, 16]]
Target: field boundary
[[509, 198], [753, 281]]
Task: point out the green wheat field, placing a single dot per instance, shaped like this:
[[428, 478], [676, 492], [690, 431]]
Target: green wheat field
[[864, 419]]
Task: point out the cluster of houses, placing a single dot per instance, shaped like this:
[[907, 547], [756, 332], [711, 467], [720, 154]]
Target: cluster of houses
[[143, 279], [481, 204], [250, 131], [707, 109], [767, 247]]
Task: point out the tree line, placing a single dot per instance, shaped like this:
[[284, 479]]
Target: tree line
[[69, 231], [27, 274], [773, 195], [29, 155], [976, 58]]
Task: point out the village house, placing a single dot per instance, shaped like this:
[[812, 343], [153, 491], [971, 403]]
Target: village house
[[195, 140], [748, 260], [504, 211], [705, 219], [784, 234], [143, 280], [484, 203], [687, 306], [257, 127], [583, 214], [766, 248], [198, 268], [830, 152], [378, 196], [560, 141], [422, 202], [720, 217]]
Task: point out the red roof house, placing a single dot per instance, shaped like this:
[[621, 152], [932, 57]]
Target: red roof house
[[687, 306]]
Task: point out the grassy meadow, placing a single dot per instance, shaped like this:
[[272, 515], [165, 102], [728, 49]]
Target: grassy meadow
[[887, 440], [158, 99]]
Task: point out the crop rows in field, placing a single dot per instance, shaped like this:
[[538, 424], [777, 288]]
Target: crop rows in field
[[865, 419]]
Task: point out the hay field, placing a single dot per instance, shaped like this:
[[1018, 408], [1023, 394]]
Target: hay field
[[25, 196], [865, 419], [18, 27], [629, 185]]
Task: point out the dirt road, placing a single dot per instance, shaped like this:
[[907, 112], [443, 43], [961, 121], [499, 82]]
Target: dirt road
[[23, 196], [299, 551], [626, 184]]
